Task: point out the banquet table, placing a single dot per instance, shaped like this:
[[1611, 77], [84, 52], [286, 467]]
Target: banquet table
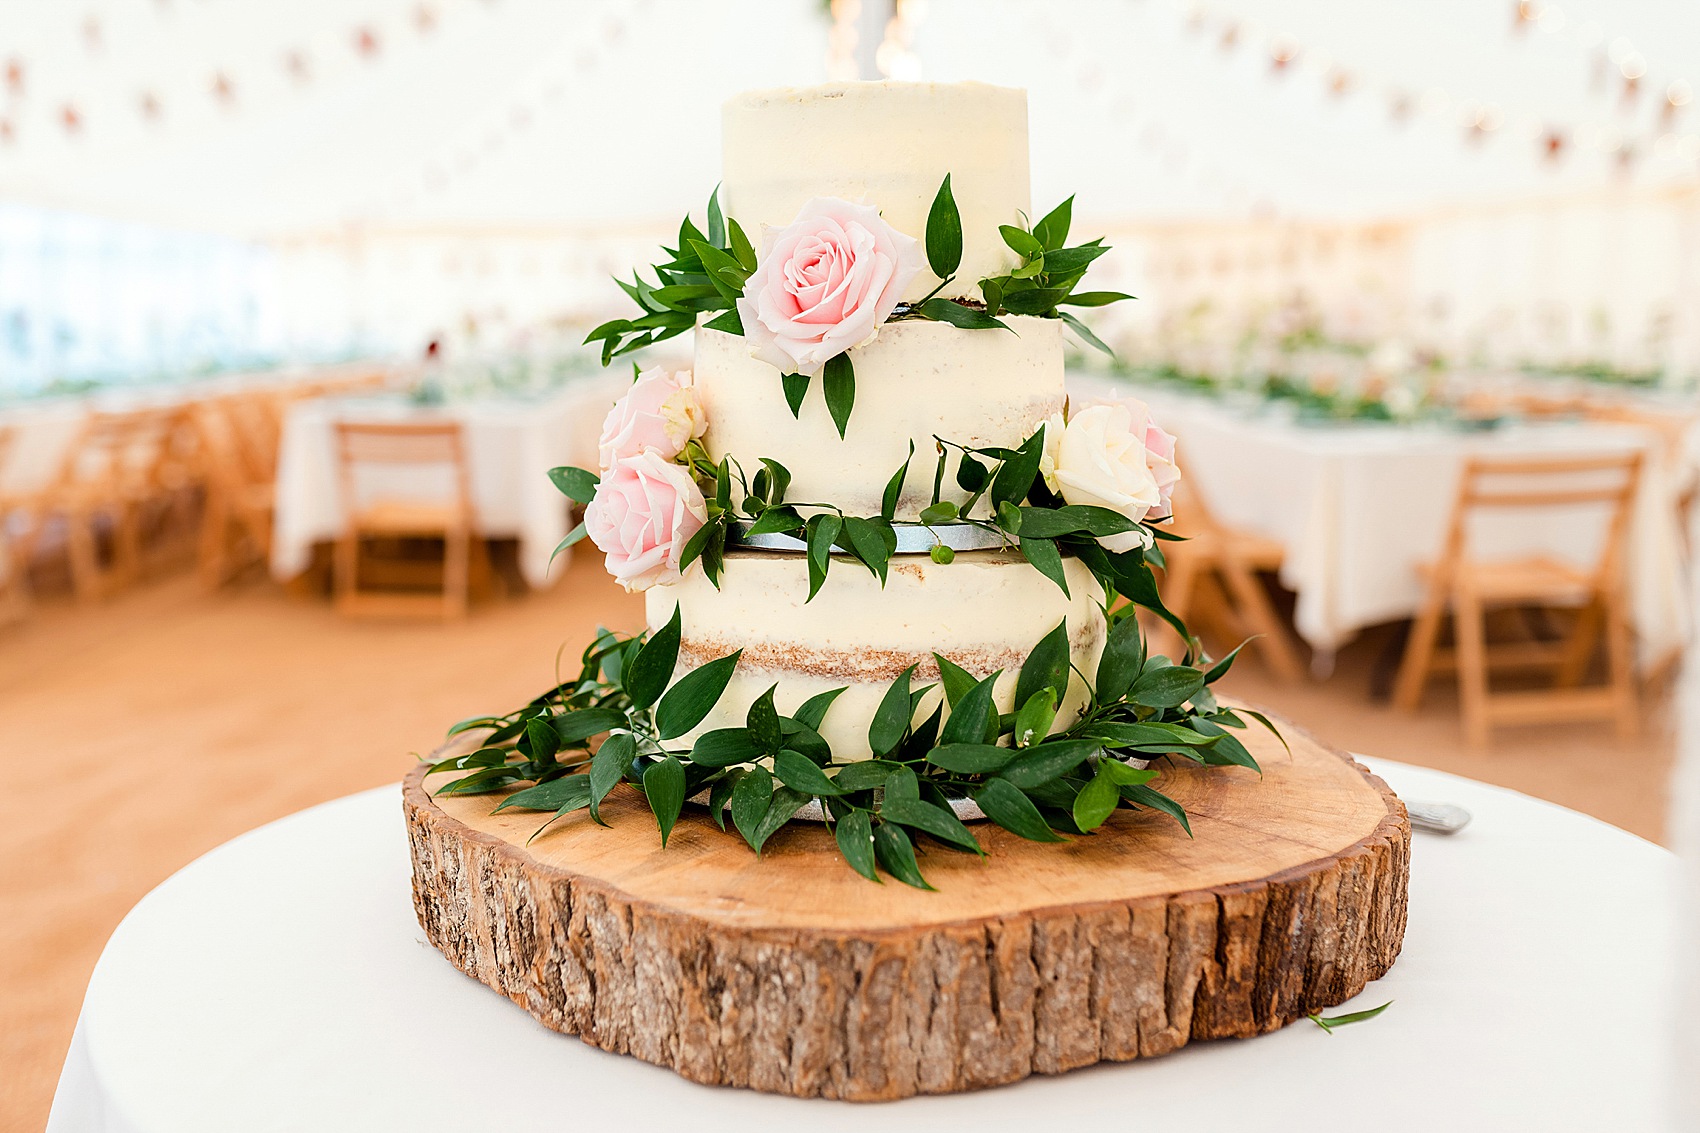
[[282, 983], [1357, 507], [511, 443]]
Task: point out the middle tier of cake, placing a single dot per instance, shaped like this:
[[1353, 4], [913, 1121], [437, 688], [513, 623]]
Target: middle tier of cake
[[985, 612], [916, 381]]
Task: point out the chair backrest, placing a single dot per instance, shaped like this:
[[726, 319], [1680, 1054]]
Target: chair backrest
[[125, 451], [415, 444], [1498, 485]]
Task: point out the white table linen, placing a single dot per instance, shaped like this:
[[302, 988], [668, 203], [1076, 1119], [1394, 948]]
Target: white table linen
[[1357, 508], [510, 446], [282, 983]]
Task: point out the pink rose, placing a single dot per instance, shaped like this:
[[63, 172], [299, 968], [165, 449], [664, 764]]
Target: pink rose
[[824, 284], [645, 510], [1160, 458], [661, 413]]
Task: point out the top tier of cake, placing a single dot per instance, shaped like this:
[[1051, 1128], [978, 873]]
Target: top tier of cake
[[890, 144]]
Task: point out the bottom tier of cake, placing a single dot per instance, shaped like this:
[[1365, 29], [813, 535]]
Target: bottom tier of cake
[[985, 611]]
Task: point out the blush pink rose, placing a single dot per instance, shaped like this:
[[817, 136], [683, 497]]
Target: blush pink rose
[[660, 413], [645, 510], [824, 284], [1160, 459]]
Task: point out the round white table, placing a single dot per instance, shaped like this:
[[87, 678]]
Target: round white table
[[281, 983]]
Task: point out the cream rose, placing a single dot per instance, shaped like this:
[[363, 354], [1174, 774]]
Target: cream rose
[[645, 510], [660, 413], [824, 284], [1160, 459], [1101, 461]]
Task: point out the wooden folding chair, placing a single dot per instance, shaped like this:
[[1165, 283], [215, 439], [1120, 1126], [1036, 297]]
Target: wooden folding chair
[[122, 467], [236, 522], [415, 446], [1214, 573], [1468, 587], [14, 568]]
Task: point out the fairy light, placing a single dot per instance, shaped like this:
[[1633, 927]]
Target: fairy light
[[843, 39], [896, 57], [1679, 93]]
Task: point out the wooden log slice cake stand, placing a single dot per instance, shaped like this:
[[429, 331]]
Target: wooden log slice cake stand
[[793, 975]]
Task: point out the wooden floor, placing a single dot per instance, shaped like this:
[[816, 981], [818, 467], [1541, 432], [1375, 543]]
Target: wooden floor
[[147, 731]]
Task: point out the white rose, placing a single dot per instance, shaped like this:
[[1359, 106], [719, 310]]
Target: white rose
[[1102, 462]]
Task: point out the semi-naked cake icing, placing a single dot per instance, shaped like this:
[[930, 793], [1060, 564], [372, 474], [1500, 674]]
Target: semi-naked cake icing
[[984, 611], [889, 144], [918, 380]]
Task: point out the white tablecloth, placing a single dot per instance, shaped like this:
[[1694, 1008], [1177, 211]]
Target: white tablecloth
[[1358, 507], [510, 444], [282, 983]]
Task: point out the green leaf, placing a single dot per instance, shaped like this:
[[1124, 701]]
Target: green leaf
[[742, 250], [820, 533], [970, 758], [954, 313], [1046, 559], [971, 475], [1067, 261], [472, 722], [574, 728], [1095, 298], [1168, 687], [1020, 241], [781, 479], [854, 834], [1220, 668], [1096, 801], [1053, 523], [1121, 774], [1047, 666], [1015, 478], [1084, 332], [750, 801], [1052, 231], [1328, 1024], [784, 803], [944, 233], [868, 541], [902, 784], [937, 821], [864, 774], [782, 520], [838, 382], [1149, 734], [894, 487], [800, 774], [575, 483], [1227, 750], [664, 785], [1046, 761], [897, 854], [540, 737], [727, 322], [1037, 301], [572, 791], [613, 759], [942, 512], [722, 794], [1014, 811], [716, 222], [957, 680], [796, 388], [685, 705], [1156, 800], [967, 723], [892, 717], [762, 721], [571, 537], [647, 676], [1121, 662], [1034, 719], [813, 710]]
